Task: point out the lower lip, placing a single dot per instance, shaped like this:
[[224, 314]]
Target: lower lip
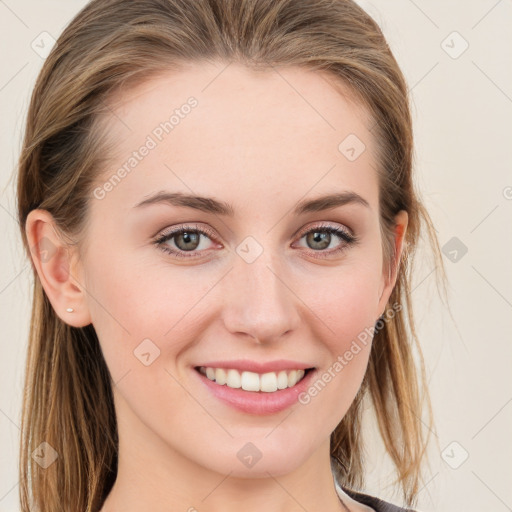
[[258, 402]]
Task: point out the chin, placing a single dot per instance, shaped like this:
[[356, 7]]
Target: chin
[[258, 459]]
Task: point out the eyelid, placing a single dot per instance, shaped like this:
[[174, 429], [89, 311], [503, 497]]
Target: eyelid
[[184, 227], [323, 225]]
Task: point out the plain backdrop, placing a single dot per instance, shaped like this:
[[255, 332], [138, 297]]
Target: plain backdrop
[[456, 57]]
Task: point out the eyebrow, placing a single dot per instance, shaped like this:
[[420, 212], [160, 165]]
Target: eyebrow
[[211, 205]]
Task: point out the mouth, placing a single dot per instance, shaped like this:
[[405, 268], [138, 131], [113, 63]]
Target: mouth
[[269, 382]]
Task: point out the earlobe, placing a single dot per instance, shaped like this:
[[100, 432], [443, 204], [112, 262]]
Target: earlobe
[[52, 260]]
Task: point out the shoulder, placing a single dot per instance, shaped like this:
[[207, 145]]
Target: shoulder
[[376, 503]]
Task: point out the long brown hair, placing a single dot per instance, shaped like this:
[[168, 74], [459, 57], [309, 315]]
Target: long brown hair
[[68, 399]]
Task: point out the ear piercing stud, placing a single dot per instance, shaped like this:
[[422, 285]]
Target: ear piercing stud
[[70, 310]]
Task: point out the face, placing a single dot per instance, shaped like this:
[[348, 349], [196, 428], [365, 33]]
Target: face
[[255, 275]]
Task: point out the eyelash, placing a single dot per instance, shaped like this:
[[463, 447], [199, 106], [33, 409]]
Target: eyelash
[[347, 238]]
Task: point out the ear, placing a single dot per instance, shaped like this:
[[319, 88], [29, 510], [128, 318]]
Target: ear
[[390, 275], [53, 259]]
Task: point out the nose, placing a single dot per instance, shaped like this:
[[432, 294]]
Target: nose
[[258, 300]]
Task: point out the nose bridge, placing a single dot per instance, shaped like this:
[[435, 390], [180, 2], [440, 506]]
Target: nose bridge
[[258, 301]]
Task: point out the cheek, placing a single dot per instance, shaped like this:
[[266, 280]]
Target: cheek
[[133, 301], [346, 300], [348, 308]]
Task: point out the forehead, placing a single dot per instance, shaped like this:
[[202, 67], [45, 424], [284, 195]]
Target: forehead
[[216, 129]]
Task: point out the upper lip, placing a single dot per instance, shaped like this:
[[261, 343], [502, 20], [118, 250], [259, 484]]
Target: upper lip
[[257, 367]]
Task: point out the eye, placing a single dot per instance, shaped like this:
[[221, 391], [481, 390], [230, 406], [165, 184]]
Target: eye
[[184, 239], [187, 239], [321, 237]]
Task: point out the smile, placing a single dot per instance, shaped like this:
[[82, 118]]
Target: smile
[[250, 381]]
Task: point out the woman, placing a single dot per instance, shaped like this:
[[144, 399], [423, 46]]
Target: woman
[[218, 200]]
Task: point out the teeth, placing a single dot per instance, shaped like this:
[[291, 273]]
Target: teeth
[[268, 382], [220, 376], [234, 380], [282, 380], [250, 381]]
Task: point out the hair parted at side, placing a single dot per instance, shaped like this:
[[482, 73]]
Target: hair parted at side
[[68, 399]]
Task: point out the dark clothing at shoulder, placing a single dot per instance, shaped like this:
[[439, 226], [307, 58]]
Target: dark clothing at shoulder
[[377, 504]]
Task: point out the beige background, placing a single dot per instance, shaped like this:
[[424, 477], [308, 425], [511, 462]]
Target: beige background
[[462, 105]]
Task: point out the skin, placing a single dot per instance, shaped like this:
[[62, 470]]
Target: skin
[[261, 142]]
